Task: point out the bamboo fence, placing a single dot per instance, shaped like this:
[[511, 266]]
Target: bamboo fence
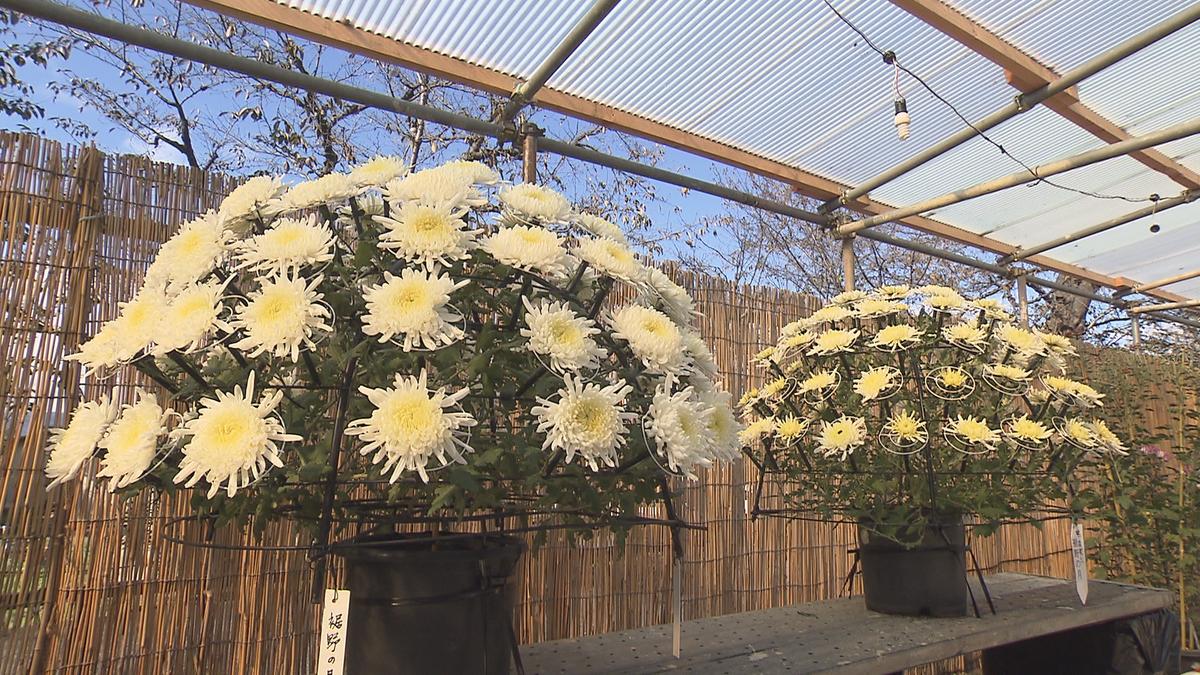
[[89, 585]]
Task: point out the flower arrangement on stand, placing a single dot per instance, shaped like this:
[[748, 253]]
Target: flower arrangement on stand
[[375, 348], [904, 411]]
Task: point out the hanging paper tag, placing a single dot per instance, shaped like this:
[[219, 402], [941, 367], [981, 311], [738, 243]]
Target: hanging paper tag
[[677, 592], [332, 658], [1081, 570]]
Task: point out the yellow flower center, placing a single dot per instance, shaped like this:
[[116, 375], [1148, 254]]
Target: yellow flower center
[[428, 221], [952, 378]]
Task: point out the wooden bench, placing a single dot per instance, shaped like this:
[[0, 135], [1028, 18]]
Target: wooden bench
[[841, 636]]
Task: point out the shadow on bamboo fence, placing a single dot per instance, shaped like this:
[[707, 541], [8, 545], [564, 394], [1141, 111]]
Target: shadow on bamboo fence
[[87, 582]]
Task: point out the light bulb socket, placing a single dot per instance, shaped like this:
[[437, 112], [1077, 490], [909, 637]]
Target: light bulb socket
[[901, 106]]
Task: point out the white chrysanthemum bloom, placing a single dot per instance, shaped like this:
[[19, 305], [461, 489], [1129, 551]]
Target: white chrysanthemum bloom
[[876, 382], [1077, 392], [1024, 430], [655, 340], [992, 308], [833, 342], [289, 243], [847, 298], [842, 436], [131, 441], [426, 234], [70, 447], [966, 336], [535, 249], [281, 316], [872, 307], [702, 357], [830, 314], [932, 290], [601, 227], [723, 424], [679, 424], [1023, 342], [476, 173], [895, 338], [612, 258], [557, 332], [788, 342], [674, 299], [413, 306], [773, 388], [945, 303], [1006, 371], [1107, 439], [410, 426], [378, 171], [1057, 343], [190, 317], [790, 428], [586, 420], [248, 199], [188, 256], [973, 431], [233, 440], [892, 292], [434, 187], [757, 429], [535, 201], [952, 377], [905, 428], [766, 357], [323, 191], [123, 338], [819, 381]]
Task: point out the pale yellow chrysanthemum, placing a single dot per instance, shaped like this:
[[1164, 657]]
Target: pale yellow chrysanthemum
[[830, 314], [323, 191], [1078, 392], [283, 315], [131, 441], [818, 381], [611, 258], [945, 303], [190, 255], [965, 335], [557, 332], [191, 317], [790, 427], [794, 328], [932, 289], [1024, 430], [670, 296], [757, 429], [973, 431], [232, 440], [378, 171], [413, 306], [70, 447], [410, 426], [833, 341], [586, 420], [679, 425], [797, 340], [842, 436], [905, 428], [1078, 433], [601, 227], [876, 382], [724, 426], [534, 201], [125, 337], [992, 308], [847, 298], [952, 378], [774, 387], [1106, 439], [873, 307], [471, 172], [1057, 343], [765, 356], [438, 187], [749, 397], [894, 338], [289, 243], [654, 339], [1023, 342], [701, 355], [427, 234], [534, 249], [248, 199], [1007, 372], [892, 292]]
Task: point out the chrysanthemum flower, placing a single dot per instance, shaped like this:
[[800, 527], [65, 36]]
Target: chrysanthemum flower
[[248, 199], [830, 314], [945, 303], [818, 381], [427, 234], [966, 336], [535, 201], [413, 306], [797, 340], [612, 258], [702, 357], [323, 191], [123, 338], [894, 338], [790, 427], [833, 341], [773, 388], [655, 340], [288, 244], [1078, 433], [679, 424], [188, 256], [601, 227], [410, 426], [557, 332], [895, 292], [672, 297], [1057, 343], [534, 249], [847, 298], [1077, 392], [378, 171], [586, 420], [131, 441], [190, 317], [992, 308], [876, 382], [757, 429], [1106, 439], [1027, 431], [281, 316], [872, 307], [973, 431], [1007, 372], [765, 356], [1023, 342], [842, 436], [905, 428], [476, 173], [932, 290], [232, 440], [433, 187], [70, 447], [724, 426], [952, 377]]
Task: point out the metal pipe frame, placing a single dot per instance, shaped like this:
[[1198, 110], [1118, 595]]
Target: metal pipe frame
[[1081, 160], [1141, 288], [525, 91], [93, 23], [1164, 306], [1024, 102], [1162, 205]]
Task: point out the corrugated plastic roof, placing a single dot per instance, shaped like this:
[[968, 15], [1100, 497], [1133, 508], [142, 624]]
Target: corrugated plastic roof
[[790, 82]]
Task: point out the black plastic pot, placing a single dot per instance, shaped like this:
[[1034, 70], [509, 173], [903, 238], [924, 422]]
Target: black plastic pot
[[421, 608], [926, 579]]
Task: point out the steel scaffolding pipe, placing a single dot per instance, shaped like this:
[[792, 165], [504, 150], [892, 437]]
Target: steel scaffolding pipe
[[1024, 102], [1142, 288], [1160, 206], [1083, 159], [1140, 309]]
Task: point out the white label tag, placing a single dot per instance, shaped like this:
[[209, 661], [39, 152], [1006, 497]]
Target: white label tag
[[332, 659], [1081, 570]]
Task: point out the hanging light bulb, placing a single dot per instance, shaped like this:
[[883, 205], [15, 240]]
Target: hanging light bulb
[[902, 120]]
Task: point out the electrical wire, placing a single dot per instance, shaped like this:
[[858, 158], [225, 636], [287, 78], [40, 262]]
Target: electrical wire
[[1033, 172]]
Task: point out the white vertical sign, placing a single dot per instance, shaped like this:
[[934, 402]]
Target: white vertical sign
[[332, 659], [1080, 556]]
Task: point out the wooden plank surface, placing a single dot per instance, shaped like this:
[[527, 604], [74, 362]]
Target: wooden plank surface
[[841, 636]]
